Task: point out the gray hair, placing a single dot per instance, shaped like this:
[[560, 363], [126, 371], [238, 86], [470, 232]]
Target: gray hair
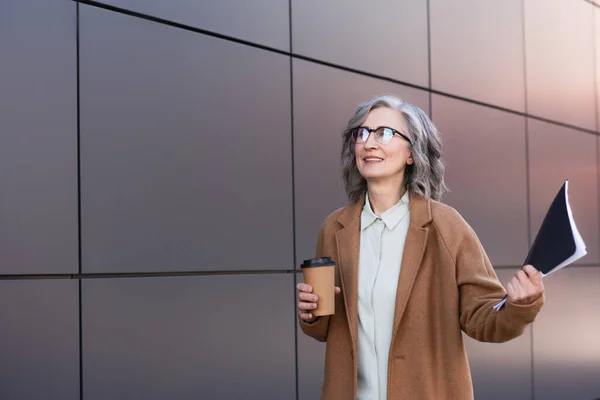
[[424, 177]]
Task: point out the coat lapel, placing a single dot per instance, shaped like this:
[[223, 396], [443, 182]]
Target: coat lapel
[[414, 248], [348, 246]]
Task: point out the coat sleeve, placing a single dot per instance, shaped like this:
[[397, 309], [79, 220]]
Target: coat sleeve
[[479, 290], [317, 329]]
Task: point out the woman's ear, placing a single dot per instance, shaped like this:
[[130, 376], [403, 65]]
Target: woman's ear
[[410, 159]]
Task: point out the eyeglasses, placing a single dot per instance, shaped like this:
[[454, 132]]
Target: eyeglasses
[[383, 134]]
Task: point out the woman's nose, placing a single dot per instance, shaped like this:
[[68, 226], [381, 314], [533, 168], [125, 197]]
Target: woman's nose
[[371, 143]]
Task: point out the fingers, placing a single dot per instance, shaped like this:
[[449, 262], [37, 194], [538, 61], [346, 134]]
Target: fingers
[[310, 298], [526, 286], [304, 310], [308, 317], [534, 275], [522, 277], [306, 302], [303, 287], [516, 289], [510, 291], [525, 282], [306, 305]]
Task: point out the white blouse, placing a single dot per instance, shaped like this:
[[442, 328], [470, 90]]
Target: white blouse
[[381, 247]]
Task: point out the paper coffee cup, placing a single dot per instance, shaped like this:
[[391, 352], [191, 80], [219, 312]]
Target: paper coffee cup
[[320, 274]]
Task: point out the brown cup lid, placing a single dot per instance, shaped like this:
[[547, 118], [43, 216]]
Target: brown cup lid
[[317, 262]]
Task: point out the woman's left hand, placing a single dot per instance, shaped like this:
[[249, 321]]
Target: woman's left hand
[[526, 286]]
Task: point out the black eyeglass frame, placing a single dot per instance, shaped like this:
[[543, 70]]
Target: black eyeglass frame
[[354, 133]]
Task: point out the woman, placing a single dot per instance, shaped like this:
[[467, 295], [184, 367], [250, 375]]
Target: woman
[[411, 273]]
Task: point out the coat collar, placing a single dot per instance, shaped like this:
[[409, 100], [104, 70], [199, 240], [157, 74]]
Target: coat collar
[[348, 246]]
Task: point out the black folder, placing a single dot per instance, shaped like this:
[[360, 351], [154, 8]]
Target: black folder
[[558, 242]]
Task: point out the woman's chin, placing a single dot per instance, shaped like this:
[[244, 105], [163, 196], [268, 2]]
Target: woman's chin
[[376, 176], [381, 177]]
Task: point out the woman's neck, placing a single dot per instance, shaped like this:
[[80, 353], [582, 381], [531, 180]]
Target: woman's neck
[[384, 197]]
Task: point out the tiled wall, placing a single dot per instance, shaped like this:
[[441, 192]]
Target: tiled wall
[[165, 166]]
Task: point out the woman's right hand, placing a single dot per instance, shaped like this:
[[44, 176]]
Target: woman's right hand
[[307, 301]]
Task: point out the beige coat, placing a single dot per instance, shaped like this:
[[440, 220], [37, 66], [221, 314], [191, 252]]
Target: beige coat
[[446, 284]]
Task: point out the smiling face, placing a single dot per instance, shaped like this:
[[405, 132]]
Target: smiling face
[[384, 162]]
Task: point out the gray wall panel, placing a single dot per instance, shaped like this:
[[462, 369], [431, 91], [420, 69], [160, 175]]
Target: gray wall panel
[[493, 199], [501, 370], [477, 50], [324, 101], [556, 154], [38, 139], [186, 150], [597, 65], [186, 165], [260, 21], [39, 340], [566, 342], [387, 38], [559, 58], [212, 337]]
